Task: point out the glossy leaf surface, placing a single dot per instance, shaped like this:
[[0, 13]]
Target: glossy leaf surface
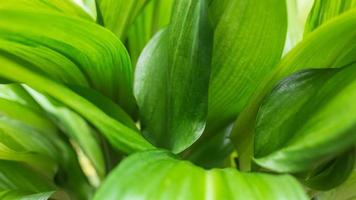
[[311, 114], [172, 78]]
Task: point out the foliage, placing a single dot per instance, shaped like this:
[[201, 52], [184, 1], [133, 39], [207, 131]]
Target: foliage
[[177, 99]]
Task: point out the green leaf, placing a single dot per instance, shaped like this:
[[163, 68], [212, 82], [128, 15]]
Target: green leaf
[[137, 177], [346, 191], [332, 174], [25, 114], [315, 51], [106, 105], [75, 127], [68, 7], [120, 136], [24, 195], [172, 78], [154, 17], [324, 10], [118, 15], [16, 176], [212, 151], [103, 62], [248, 44], [312, 115], [216, 10]]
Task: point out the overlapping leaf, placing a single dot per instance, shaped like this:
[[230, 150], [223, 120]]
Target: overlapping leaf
[[315, 51], [154, 17], [346, 191], [248, 44], [121, 137], [172, 78], [324, 10], [333, 173], [312, 115], [70, 56], [75, 127], [137, 178]]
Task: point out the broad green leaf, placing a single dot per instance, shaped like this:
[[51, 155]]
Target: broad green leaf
[[172, 78], [315, 51], [120, 136], [307, 119], [118, 15], [75, 127], [137, 178], [248, 44], [104, 61], [324, 10], [332, 174], [68, 7], [154, 16]]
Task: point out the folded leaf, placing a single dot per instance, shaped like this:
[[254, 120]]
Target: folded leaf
[[137, 177], [311, 114], [324, 10], [248, 44], [172, 78], [315, 51]]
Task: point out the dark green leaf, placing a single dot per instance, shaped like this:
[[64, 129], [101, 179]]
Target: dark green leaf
[[172, 78], [332, 174]]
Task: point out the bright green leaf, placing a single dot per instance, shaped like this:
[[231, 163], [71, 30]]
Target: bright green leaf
[[137, 178], [324, 10], [104, 61], [118, 15], [312, 115], [120, 136], [315, 51], [248, 44]]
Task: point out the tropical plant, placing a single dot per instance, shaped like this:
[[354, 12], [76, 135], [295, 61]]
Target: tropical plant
[[177, 99]]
